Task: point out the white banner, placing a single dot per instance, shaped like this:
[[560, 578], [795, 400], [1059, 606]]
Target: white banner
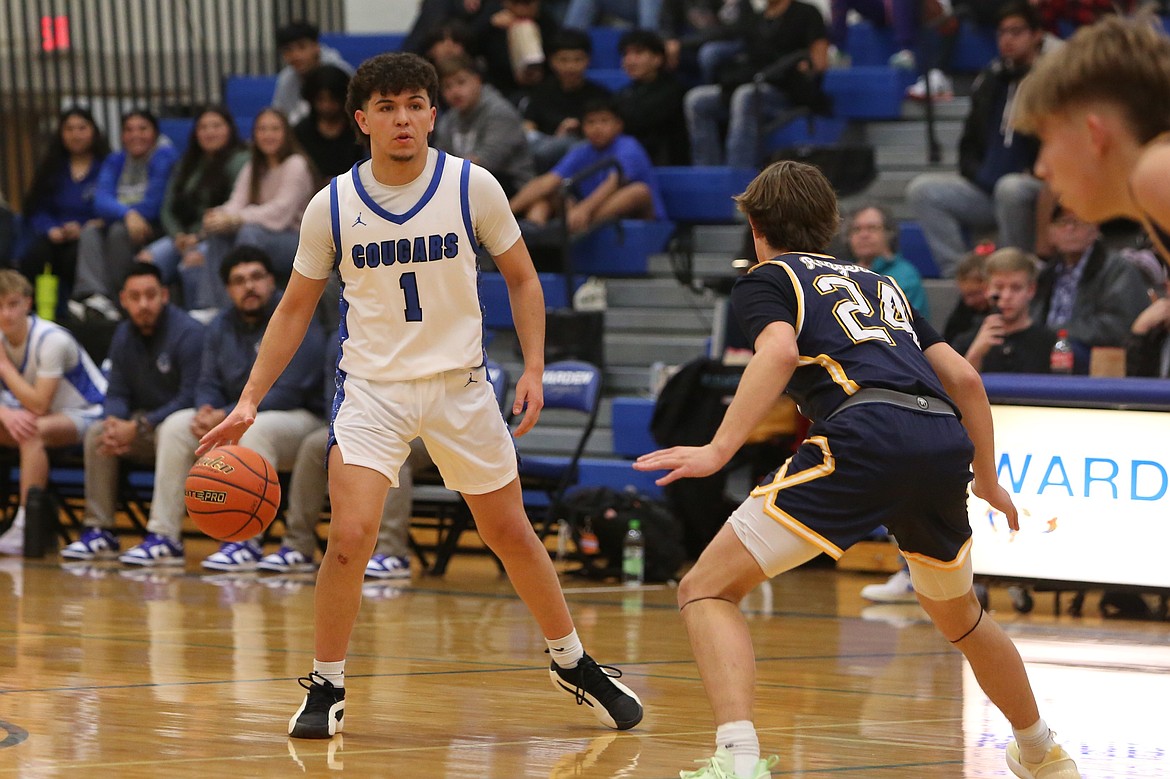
[[1093, 489]]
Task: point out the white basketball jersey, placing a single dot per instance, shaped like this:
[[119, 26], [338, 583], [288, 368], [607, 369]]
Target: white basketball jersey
[[409, 282]]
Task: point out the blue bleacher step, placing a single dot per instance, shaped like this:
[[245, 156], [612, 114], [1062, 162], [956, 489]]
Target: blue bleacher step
[[605, 47], [246, 96], [868, 92], [355, 48], [618, 475], [497, 309], [872, 46], [623, 249], [702, 194], [612, 79], [631, 426], [806, 131], [912, 244]]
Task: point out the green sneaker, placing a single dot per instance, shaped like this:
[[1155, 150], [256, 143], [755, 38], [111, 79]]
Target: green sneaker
[[721, 765]]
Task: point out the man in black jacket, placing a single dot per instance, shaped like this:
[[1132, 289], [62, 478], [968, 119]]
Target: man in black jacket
[[994, 187]]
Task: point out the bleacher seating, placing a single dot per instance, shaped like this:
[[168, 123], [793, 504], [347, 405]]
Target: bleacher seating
[[246, 96], [912, 244], [871, 46], [702, 195], [631, 426], [867, 92], [612, 79], [620, 249], [178, 129], [355, 48], [497, 310], [806, 130], [605, 48]]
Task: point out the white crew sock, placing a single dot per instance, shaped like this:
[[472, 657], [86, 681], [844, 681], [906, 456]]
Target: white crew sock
[[565, 651], [739, 738], [1034, 742], [333, 672]]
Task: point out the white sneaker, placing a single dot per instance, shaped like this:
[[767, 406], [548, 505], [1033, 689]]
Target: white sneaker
[[383, 566], [104, 307], [904, 60], [1055, 765], [941, 88], [896, 589], [286, 560], [12, 542], [234, 556]]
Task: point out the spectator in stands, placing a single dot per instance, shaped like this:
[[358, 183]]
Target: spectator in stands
[[994, 186], [308, 487], [60, 200], [511, 41], [202, 179], [481, 125], [583, 14], [264, 210], [449, 39], [128, 201], [288, 414], [973, 305], [1009, 340], [684, 26], [552, 109], [301, 50], [443, 19], [154, 364], [1147, 349], [785, 53], [52, 392], [625, 189], [7, 231], [326, 133], [1093, 293], [873, 241], [903, 17], [651, 105]]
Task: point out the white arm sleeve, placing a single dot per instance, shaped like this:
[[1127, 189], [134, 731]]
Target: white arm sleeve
[[495, 226], [316, 252]]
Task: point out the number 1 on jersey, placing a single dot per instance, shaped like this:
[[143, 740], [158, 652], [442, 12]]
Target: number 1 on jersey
[[409, 285]]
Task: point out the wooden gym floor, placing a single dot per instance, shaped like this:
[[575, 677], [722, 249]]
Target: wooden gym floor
[[109, 672]]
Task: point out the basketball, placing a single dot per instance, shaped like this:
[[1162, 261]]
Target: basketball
[[232, 493]]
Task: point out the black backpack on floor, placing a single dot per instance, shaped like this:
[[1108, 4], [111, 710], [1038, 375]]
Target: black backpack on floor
[[605, 514]]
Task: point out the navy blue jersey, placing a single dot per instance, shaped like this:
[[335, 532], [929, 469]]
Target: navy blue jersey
[[854, 329]]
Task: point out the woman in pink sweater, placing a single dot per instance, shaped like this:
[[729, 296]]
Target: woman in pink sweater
[[264, 210]]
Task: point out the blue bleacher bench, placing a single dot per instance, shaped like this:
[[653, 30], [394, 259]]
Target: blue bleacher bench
[[870, 46], [612, 79], [178, 130], [605, 47], [356, 48], [621, 249], [912, 244], [618, 475], [631, 426], [806, 131], [497, 310], [702, 195], [867, 92], [246, 96]]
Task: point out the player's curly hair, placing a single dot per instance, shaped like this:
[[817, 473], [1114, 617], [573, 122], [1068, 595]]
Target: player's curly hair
[[1120, 61], [793, 206], [391, 74]]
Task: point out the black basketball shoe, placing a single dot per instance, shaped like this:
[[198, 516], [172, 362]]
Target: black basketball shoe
[[596, 686], [322, 711]]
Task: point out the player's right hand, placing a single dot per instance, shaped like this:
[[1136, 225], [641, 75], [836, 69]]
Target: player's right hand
[[999, 498], [230, 430]]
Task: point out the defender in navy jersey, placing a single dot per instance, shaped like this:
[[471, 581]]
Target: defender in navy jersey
[[403, 230], [898, 420]]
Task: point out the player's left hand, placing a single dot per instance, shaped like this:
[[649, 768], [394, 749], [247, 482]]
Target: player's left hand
[[530, 400], [683, 462]]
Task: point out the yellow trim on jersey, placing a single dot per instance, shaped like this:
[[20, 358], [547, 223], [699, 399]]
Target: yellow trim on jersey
[[941, 565], [834, 369], [799, 291], [799, 528], [782, 481]]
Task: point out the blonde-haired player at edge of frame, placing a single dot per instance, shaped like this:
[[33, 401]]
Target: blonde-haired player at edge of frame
[[412, 366], [899, 423], [1100, 106]]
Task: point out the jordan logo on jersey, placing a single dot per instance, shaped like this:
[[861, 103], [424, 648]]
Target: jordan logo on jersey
[[359, 221]]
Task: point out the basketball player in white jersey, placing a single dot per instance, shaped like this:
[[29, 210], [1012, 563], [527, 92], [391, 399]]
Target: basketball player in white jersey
[[50, 392], [402, 229]]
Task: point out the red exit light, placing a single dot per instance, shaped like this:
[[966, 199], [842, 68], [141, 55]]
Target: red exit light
[[54, 33]]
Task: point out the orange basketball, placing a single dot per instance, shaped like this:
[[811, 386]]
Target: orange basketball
[[232, 493]]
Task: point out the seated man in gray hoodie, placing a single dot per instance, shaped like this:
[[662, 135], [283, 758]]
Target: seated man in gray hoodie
[[481, 125]]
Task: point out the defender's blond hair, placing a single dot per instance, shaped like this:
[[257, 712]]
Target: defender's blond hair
[[793, 206], [13, 281], [1121, 61]]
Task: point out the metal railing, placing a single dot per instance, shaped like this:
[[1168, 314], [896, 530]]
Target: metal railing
[[110, 55]]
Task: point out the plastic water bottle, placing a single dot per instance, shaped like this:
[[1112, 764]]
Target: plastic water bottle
[[1061, 359], [634, 556], [45, 294]]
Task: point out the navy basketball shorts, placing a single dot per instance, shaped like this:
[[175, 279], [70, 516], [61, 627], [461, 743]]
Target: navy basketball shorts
[[870, 465]]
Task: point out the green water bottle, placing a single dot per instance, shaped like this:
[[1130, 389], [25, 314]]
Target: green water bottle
[[46, 294]]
